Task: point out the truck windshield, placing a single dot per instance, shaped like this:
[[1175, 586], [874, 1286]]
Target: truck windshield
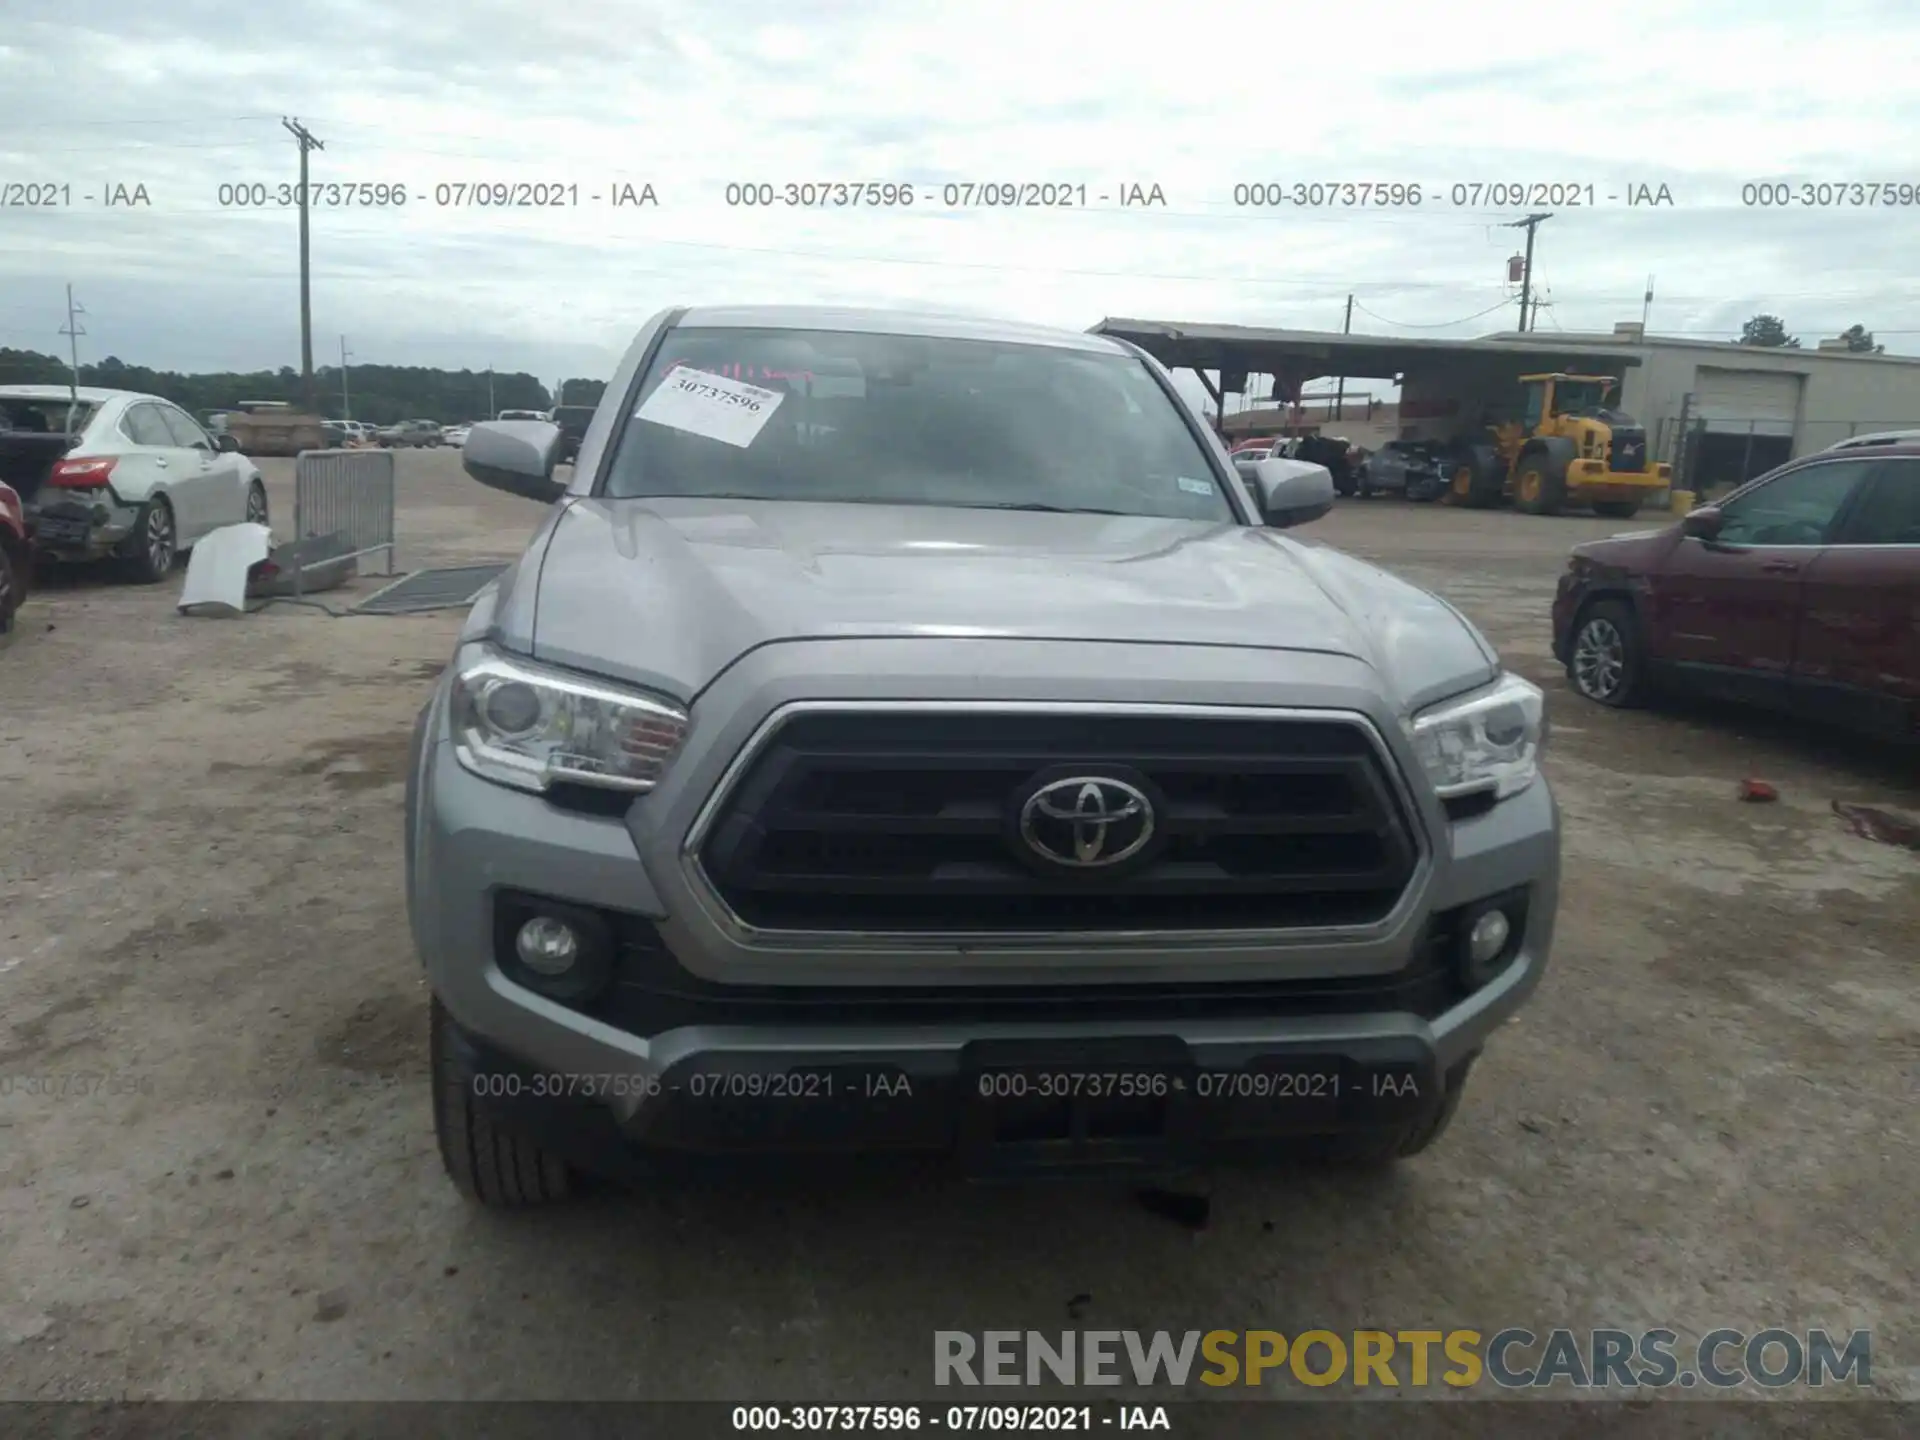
[[906, 420], [1574, 397]]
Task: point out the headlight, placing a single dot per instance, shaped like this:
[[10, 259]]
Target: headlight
[[1489, 740], [529, 727]]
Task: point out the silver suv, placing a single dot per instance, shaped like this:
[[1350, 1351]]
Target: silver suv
[[912, 734]]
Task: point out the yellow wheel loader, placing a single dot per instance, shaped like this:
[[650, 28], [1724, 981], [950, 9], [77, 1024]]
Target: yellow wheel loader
[[1570, 450]]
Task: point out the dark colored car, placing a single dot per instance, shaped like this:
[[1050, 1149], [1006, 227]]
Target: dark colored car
[[16, 562], [573, 421], [409, 434], [1411, 468], [1336, 454], [1797, 592]]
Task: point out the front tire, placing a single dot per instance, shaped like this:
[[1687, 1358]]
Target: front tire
[[155, 545], [13, 583], [488, 1165], [1605, 658], [1478, 478], [1540, 486], [1378, 1149]]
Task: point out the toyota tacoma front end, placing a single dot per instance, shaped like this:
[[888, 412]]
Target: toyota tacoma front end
[[888, 770]]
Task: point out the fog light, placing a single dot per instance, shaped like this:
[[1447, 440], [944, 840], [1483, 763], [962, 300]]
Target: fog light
[[549, 947], [1488, 937]]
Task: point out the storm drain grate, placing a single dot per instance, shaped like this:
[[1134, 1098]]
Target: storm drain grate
[[430, 590]]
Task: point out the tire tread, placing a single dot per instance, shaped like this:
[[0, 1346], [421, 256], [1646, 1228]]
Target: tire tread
[[487, 1164]]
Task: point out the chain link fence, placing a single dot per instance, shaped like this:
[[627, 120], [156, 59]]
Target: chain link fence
[[1711, 459]]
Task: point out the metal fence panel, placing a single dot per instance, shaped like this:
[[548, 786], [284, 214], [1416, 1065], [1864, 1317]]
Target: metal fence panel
[[345, 492]]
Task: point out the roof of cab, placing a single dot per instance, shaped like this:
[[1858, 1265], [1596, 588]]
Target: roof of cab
[[931, 324], [91, 394]]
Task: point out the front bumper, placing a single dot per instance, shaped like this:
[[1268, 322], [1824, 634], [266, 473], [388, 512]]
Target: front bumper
[[1151, 1099], [1593, 478], [1160, 1052]]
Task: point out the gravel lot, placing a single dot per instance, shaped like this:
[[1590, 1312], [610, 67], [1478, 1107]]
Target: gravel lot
[[1705, 1117]]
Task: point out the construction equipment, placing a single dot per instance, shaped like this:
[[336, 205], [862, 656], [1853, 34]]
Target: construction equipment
[[1570, 450]]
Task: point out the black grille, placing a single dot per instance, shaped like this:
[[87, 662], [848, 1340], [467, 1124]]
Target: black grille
[[906, 821], [1628, 452], [653, 993]]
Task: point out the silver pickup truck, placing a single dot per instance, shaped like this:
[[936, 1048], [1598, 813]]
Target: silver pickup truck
[[912, 735]]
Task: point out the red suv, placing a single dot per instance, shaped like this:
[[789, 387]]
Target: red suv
[[1800, 591]]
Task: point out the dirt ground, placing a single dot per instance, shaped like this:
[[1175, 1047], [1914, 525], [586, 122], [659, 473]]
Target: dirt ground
[[1705, 1117]]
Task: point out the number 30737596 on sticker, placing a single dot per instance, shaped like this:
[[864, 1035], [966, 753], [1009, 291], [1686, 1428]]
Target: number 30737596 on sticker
[[716, 406]]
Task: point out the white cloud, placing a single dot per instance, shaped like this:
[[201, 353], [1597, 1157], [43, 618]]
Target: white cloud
[[1700, 98]]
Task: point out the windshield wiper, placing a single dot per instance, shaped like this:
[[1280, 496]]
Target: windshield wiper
[[1049, 509]]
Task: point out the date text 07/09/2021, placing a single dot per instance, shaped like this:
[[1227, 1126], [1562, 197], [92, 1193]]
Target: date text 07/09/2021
[[1302, 1083], [889, 1418]]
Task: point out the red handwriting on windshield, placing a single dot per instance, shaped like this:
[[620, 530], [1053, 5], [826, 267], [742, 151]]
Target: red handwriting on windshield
[[752, 374]]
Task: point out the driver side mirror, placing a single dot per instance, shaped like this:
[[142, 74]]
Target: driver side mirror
[[1290, 492], [1702, 524], [516, 456], [226, 444]]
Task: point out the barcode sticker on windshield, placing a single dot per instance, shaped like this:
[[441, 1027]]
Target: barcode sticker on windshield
[[716, 406], [1195, 487]]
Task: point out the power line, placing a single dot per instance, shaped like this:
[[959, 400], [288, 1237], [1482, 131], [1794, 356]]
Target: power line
[[173, 120], [1445, 324]]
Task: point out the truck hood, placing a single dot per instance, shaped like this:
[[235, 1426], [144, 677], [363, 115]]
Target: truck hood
[[668, 592]]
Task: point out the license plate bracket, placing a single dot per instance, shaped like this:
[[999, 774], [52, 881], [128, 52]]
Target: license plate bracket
[[65, 530], [1030, 1105]]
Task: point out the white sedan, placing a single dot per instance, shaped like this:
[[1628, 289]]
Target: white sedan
[[455, 435], [115, 472]]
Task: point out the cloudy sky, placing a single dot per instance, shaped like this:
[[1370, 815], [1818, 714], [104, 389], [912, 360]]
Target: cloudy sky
[[185, 97]]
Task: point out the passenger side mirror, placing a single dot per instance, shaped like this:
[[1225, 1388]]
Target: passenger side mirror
[[1702, 524], [1290, 492], [226, 444], [516, 456]]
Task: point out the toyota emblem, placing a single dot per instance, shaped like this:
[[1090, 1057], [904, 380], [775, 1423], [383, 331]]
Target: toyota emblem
[[1087, 822]]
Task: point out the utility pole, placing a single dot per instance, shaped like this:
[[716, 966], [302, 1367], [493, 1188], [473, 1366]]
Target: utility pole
[[1646, 307], [346, 400], [491, 412], [1340, 394], [73, 332], [307, 143], [1530, 224]]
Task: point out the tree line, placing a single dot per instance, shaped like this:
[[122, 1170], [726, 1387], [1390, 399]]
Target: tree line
[[382, 394], [1770, 331]]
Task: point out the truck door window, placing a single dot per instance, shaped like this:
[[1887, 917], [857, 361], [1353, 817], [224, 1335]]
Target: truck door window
[[1889, 512], [1798, 508]]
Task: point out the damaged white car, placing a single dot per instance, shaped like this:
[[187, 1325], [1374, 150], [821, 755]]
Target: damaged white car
[[117, 473]]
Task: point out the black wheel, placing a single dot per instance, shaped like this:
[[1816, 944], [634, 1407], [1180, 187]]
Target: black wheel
[[257, 504], [486, 1164], [1372, 1149], [155, 544], [1539, 485], [1478, 478], [1604, 656], [13, 583], [1616, 509]]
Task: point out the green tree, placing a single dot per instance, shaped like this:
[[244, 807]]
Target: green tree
[[1768, 330], [382, 394], [1860, 341]]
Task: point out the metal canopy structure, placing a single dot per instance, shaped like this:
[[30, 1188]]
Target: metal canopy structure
[[1294, 357]]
